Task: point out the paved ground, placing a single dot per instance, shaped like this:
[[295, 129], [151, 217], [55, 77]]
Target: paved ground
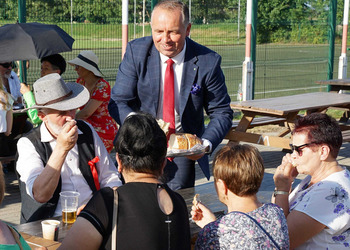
[[11, 205]]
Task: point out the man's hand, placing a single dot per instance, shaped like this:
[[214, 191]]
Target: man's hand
[[195, 157], [68, 137], [80, 208]]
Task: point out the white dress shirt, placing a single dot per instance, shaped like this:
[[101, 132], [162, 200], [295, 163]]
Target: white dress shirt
[[15, 86], [30, 166], [178, 69]]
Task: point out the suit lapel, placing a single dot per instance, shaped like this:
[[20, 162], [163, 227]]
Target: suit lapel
[[153, 70], [190, 70]]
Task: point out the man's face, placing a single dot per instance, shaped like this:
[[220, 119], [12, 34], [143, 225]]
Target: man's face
[[5, 69], [46, 68], [168, 31], [55, 119]]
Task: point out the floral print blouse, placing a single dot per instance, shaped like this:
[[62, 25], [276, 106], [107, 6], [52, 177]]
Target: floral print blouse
[[327, 202], [101, 120], [237, 231]]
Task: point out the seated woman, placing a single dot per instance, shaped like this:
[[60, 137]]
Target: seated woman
[[95, 111], [9, 237], [150, 215], [238, 172], [318, 209]]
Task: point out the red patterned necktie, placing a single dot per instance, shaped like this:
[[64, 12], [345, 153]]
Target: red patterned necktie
[[168, 97]]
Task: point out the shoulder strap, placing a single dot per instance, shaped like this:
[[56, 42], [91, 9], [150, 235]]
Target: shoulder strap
[[258, 224], [115, 222], [16, 237]]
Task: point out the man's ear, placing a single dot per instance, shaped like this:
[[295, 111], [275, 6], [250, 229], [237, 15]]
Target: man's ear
[[120, 167], [41, 115]]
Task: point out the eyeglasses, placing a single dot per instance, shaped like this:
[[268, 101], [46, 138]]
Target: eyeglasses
[[6, 65], [299, 149]]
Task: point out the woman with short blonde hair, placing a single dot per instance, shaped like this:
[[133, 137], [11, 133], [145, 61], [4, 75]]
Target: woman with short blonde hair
[[238, 172]]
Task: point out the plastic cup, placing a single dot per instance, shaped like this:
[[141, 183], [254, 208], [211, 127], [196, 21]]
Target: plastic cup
[[50, 229], [69, 203]]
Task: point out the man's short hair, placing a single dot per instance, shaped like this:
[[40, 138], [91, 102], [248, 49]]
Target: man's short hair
[[172, 5], [57, 61], [240, 167]]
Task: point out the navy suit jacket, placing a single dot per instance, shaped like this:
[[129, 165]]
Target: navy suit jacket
[[138, 82]]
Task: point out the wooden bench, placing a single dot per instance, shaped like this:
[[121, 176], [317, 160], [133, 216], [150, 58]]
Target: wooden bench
[[261, 121]]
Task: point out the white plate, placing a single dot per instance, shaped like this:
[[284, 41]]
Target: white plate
[[197, 149]]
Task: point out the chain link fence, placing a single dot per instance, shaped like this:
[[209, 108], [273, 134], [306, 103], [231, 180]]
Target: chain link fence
[[290, 65]]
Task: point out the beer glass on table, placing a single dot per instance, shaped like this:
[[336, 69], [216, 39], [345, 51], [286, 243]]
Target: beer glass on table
[[69, 203]]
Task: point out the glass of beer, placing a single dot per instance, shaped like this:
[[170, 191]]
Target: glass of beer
[[69, 203]]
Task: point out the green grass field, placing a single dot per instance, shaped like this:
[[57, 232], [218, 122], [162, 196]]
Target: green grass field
[[281, 69]]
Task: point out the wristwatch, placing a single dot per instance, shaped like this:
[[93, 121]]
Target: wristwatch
[[276, 192]]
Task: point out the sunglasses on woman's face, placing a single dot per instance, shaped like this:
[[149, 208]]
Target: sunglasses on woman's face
[[6, 65], [299, 149]]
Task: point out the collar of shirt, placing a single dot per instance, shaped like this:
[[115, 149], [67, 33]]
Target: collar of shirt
[[46, 135], [178, 59]]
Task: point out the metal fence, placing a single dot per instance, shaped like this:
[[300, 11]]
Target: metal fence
[[281, 68]]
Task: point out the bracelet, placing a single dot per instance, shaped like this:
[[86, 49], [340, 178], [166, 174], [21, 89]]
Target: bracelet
[[276, 192]]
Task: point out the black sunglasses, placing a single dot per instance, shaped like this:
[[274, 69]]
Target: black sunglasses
[[299, 149], [6, 65]]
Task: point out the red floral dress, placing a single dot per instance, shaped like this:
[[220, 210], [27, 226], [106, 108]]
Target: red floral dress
[[101, 120]]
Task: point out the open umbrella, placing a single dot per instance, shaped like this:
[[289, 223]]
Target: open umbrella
[[27, 41]]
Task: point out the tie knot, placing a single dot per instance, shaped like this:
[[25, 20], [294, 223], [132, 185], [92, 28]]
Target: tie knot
[[169, 62]]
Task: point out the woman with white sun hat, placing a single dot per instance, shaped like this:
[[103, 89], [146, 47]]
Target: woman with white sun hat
[[96, 110]]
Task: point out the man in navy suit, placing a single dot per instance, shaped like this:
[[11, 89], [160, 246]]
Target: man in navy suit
[[199, 85]]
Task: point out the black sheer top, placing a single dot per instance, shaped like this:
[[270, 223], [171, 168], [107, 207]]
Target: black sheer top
[[141, 222]]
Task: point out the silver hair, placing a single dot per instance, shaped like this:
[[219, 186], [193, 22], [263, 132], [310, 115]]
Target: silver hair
[[172, 5]]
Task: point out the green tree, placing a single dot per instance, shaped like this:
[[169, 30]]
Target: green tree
[[204, 12]]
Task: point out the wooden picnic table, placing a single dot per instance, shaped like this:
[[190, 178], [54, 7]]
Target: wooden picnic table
[[336, 84], [36, 241], [286, 108]]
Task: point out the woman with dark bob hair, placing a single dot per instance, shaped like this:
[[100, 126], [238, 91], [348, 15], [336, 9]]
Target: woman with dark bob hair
[[318, 209], [150, 215], [238, 172]]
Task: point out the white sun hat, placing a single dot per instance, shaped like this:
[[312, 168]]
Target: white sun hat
[[88, 60]]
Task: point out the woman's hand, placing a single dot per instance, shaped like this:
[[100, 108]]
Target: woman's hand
[[285, 174], [202, 215]]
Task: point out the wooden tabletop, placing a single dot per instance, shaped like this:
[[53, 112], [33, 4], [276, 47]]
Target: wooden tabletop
[[282, 106], [34, 229], [345, 82], [35, 242]]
